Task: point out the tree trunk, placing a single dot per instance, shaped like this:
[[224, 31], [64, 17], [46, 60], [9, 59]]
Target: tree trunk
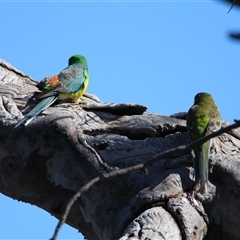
[[68, 145]]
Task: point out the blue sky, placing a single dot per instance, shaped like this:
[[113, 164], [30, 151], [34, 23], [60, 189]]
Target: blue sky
[[159, 54]]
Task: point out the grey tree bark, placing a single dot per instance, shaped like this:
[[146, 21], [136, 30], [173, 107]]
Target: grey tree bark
[[69, 144]]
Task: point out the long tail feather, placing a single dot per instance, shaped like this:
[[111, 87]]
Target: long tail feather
[[201, 162], [40, 107]]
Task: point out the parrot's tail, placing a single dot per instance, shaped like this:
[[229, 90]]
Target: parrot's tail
[[40, 107], [201, 162]]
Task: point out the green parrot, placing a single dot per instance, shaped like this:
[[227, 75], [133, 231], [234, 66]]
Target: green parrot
[[70, 84], [202, 118]]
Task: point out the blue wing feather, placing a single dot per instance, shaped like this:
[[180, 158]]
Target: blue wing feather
[[72, 78]]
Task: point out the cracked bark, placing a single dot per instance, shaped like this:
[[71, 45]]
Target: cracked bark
[[66, 146]]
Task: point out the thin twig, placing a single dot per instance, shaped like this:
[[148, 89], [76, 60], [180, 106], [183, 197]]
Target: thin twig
[[231, 6], [170, 152]]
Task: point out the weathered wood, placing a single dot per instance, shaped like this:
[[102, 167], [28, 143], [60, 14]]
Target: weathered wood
[[154, 223], [69, 144]]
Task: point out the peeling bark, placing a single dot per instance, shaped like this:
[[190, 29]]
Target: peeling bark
[[69, 144]]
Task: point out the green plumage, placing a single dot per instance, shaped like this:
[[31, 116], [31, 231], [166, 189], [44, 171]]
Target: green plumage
[[203, 118]]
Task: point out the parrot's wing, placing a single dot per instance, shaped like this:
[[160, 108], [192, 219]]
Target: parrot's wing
[[71, 79], [215, 119], [190, 121], [193, 123]]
